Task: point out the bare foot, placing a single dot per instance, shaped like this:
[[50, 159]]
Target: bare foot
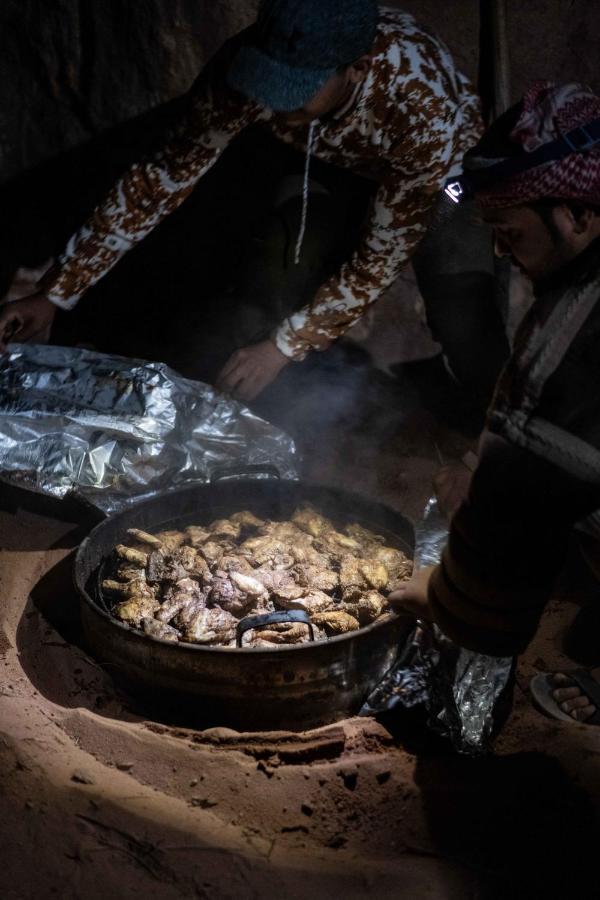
[[570, 697]]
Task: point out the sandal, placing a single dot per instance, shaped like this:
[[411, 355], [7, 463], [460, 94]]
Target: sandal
[[541, 688]]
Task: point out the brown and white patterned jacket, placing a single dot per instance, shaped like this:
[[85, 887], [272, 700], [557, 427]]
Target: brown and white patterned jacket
[[407, 126]]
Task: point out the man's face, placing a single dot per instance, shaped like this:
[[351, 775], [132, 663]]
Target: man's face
[[521, 233], [332, 95]]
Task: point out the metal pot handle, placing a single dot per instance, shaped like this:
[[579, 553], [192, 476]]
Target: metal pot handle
[[222, 472], [275, 618]]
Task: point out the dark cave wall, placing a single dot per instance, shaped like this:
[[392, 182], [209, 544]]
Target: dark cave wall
[[70, 69]]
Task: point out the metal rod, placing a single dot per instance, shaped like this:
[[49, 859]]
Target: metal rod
[[502, 95]]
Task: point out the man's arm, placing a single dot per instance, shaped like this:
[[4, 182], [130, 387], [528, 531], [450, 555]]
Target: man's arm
[[507, 543], [153, 188], [420, 146], [397, 223]]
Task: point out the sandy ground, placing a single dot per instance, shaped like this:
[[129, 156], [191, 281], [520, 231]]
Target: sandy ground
[[99, 800]]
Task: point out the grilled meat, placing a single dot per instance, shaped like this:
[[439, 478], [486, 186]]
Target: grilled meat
[[171, 540], [196, 536], [143, 537], [137, 607], [335, 622], [225, 529], [312, 602], [211, 626], [247, 520], [309, 520], [131, 555], [366, 608], [196, 584], [177, 597], [157, 629]]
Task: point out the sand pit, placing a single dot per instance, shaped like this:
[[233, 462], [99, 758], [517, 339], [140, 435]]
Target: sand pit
[[100, 798]]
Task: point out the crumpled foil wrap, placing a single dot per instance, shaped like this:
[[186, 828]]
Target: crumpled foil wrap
[[113, 430], [460, 688]]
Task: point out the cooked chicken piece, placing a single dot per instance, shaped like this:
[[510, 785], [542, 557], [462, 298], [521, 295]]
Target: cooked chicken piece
[[261, 606], [272, 578], [287, 633], [158, 568], [352, 593], [288, 592], [196, 536], [214, 551], [225, 594], [281, 561], [177, 597], [246, 583], [171, 540], [192, 561], [351, 575], [116, 587], [247, 519], [211, 626], [190, 608], [143, 537], [336, 544], [184, 562], [375, 573], [366, 608], [309, 520], [157, 629], [136, 608], [135, 586], [307, 555], [368, 540], [131, 555], [128, 572], [335, 622], [312, 602], [225, 529], [286, 532], [397, 563], [322, 579], [237, 564], [264, 549]]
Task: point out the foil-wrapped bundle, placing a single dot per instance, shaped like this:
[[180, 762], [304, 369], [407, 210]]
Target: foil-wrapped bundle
[[112, 430], [460, 688]]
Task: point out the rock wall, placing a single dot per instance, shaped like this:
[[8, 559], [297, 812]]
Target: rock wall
[[70, 69]]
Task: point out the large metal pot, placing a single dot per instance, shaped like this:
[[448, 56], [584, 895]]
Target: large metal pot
[[251, 688]]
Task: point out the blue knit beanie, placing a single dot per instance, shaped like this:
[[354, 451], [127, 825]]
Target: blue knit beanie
[[296, 45]]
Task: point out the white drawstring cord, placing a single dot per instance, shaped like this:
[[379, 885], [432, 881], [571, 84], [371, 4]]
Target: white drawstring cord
[[313, 134]]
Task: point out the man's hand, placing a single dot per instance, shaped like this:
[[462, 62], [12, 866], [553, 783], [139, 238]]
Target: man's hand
[[250, 370], [412, 596], [25, 320], [451, 485]]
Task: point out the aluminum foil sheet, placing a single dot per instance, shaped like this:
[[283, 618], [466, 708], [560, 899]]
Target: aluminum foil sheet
[[113, 430], [460, 688]]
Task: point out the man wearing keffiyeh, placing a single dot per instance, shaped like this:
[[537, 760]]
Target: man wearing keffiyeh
[[537, 482]]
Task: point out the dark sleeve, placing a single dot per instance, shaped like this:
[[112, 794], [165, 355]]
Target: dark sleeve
[[507, 544]]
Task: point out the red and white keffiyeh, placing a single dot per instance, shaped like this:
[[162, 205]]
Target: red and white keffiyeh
[[549, 111]]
